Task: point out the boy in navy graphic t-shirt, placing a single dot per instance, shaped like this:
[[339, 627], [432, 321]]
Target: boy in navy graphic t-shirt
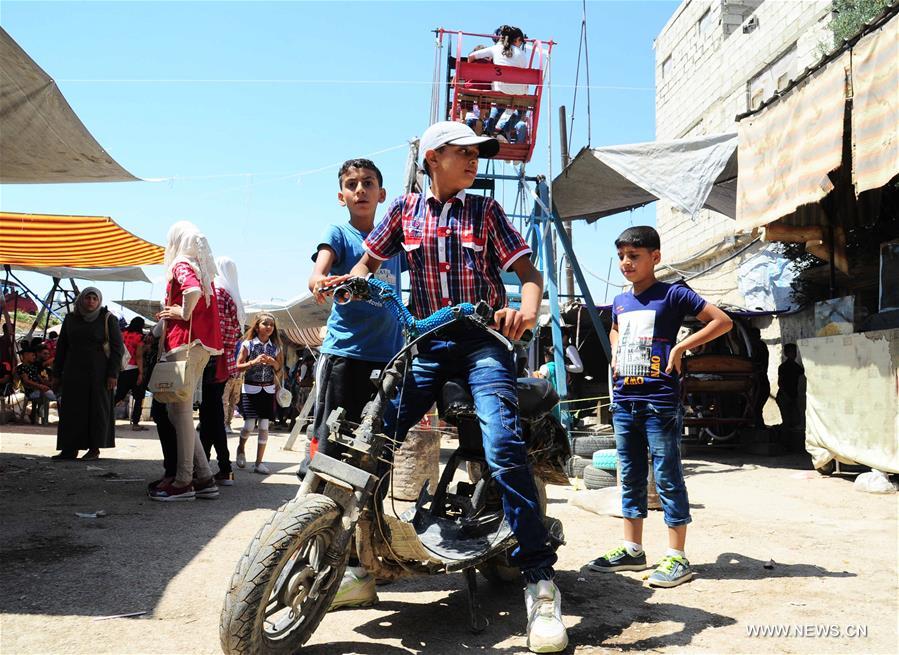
[[646, 411]]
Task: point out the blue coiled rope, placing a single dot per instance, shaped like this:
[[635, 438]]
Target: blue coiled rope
[[412, 326]]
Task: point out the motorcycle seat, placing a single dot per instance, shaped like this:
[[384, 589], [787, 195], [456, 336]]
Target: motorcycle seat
[[536, 397]]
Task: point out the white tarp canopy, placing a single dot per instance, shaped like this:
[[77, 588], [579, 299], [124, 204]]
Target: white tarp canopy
[[300, 313], [116, 274], [43, 140], [300, 320], [689, 173]]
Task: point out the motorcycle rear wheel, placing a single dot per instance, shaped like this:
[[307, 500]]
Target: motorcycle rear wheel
[[282, 587]]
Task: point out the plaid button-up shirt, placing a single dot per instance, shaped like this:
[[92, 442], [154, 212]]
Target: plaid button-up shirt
[[457, 250], [231, 328]]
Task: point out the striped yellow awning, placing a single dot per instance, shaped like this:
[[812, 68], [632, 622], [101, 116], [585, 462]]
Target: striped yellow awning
[[787, 150], [76, 241], [875, 107]]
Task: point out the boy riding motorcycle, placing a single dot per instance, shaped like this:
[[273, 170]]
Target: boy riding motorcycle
[[457, 246]]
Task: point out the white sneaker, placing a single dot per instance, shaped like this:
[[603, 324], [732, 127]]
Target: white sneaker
[[546, 632], [241, 460], [357, 589], [261, 468]]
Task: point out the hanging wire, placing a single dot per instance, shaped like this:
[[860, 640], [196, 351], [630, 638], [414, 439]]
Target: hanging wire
[[582, 47], [577, 77], [602, 279], [587, 69]]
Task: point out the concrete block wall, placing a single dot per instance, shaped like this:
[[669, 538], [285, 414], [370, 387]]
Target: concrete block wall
[[705, 85]]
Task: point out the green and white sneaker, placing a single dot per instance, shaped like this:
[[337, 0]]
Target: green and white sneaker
[[357, 589], [546, 632], [671, 571], [619, 559]]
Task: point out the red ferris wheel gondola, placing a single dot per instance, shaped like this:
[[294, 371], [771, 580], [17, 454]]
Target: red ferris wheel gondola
[[472, 91]]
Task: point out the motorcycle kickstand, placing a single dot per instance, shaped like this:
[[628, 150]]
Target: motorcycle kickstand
[[478, 622]]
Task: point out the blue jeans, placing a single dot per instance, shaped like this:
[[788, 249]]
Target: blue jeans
[[470, 353], [643, 430], [514, 128]]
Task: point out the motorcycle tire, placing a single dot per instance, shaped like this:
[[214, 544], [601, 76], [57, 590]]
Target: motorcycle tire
[[587, 445], [297, 535], [595, 478]]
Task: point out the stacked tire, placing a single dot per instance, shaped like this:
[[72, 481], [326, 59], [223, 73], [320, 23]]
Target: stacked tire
[[601, 472], [582, 450]]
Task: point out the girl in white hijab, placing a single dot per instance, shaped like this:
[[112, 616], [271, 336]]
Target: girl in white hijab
[[227, 280], [192, 334], [232, 330], [187, 244]]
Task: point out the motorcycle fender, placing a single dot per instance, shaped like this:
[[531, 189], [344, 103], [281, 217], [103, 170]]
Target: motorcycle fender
[[341, 473]]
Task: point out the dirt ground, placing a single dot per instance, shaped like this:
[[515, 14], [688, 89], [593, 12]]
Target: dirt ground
[[834, 552]]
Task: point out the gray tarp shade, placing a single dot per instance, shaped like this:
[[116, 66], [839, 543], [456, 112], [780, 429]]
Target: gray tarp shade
[[43, 140], [117, 274], [689, 173], [146, 308]]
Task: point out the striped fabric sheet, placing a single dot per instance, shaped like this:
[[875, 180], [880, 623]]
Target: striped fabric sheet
[[787, 149], [875, 110], [78, 241]]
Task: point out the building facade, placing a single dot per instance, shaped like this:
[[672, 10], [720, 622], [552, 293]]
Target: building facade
[[716, 59]]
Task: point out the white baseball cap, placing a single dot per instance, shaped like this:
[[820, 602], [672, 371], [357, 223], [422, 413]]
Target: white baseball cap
[[457, 134]]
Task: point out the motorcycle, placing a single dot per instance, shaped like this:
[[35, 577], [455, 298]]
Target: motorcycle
[[290, 572]]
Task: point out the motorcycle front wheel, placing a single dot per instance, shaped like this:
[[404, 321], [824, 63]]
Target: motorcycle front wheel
[[282, 586]]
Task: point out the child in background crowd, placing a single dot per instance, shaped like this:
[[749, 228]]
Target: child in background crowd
[[508, 51], [34, 378], [261, 358], [131, 377]]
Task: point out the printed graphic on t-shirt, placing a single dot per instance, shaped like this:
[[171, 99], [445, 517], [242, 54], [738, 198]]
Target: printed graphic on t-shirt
[[635, 360]]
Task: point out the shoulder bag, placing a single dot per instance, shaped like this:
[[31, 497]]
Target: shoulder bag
[[107, 349], [168, 382]]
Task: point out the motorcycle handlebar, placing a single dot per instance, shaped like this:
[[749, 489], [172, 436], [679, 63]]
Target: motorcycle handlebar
[[362, 289]]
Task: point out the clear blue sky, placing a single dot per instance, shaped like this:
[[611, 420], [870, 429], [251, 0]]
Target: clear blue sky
[[233, 99]]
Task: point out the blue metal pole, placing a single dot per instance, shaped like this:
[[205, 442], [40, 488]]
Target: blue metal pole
[[549, 272], [582, 283]]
